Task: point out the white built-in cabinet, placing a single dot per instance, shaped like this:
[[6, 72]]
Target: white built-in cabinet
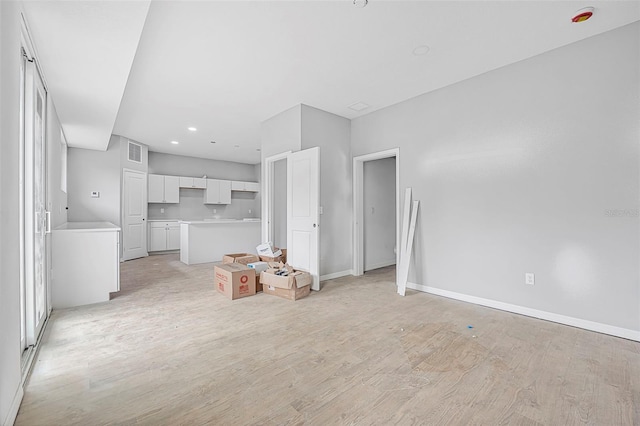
[[192, 182], [218, 192], [245, 186], [164, 236], [164, 189]]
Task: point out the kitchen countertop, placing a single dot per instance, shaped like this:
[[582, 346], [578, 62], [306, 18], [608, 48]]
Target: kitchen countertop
[[88, 226], [218, 221]]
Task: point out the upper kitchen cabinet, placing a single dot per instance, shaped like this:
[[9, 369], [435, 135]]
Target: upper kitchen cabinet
[[245, 186], [218, 192], [193, 182], [164, 189]]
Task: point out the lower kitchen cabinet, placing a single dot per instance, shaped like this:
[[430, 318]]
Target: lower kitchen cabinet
[[164, 235]]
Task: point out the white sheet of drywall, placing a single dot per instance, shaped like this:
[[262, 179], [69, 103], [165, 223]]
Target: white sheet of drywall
[[532, 167], [379, 213], [332, 134], [191, 206]]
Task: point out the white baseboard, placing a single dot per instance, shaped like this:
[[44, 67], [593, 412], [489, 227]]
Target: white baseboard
[[15, 406], [380, 265], [549, 316], [336, 275]]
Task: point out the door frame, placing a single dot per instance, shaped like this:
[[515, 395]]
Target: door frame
[[358, 206], [122, 211], [268, 191]]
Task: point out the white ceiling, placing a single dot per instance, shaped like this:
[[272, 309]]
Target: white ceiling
[[224, 67], [86, 49]]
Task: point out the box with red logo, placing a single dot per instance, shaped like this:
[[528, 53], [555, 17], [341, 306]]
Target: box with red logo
[[235, 280]]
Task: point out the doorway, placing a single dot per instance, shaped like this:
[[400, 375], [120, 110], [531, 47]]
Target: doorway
[[134, 213], [34, 218], [365, 224]]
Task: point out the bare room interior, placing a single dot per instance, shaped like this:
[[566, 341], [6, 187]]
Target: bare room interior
[[436, 203]]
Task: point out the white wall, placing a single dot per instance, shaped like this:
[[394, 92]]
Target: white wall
[[379, 204], [90, 170], [278, 134], [191, 204], [10, 350], [332, 134], [529, 168]]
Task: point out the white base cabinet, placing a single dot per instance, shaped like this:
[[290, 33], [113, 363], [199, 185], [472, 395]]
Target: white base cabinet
[[164, 236], [85, 263]]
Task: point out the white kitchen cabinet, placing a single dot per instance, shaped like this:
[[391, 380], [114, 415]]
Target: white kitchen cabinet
[[85, 263], [218, 192], [163, 189], [245, 186], [192, 182], [164, 235]]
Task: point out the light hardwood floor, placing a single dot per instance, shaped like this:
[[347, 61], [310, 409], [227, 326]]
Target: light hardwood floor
[[170, 350]]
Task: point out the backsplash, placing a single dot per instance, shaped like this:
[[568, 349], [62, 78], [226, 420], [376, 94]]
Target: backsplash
[[192, 207]]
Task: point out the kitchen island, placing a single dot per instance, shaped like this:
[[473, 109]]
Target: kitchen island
[[208, 240]]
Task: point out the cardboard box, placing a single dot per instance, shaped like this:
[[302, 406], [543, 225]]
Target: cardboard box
[[288, 293], [235, 280], [294, 286], [243, 258], [281, 258]]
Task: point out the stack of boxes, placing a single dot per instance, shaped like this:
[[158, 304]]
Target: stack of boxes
[[245, 274]]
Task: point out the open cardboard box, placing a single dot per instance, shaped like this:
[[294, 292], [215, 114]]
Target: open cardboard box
[[294, 286], [243, 258]]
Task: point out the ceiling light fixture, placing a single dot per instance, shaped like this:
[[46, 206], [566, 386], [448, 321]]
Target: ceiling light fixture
[[421, 50], [360, 3], [359, 106], [582, 15], [175, 142], [192, 129]]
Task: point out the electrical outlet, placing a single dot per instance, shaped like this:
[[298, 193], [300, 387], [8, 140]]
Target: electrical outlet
[[162, 210], [215, 211], [529, 278], [249, 211]]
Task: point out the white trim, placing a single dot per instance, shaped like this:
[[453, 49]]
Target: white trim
[[358, 209], [530, 312], [15, 406], [380, 265], [336, 275]]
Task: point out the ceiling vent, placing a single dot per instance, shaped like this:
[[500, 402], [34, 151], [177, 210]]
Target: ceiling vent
[[135, 152]]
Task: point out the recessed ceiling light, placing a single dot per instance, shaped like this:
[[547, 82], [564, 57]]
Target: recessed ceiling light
[[258, 149], [582, 15], [236, 146], [213, 141], [360, 3], [421, 50], [192, 129], [175, 142], [359, 106]]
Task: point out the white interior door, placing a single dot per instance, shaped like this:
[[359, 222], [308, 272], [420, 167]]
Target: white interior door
[[303, 199], [35, 214], [134, 212]]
